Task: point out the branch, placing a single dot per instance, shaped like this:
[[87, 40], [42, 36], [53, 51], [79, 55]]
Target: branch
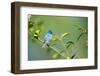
[[53, 48]]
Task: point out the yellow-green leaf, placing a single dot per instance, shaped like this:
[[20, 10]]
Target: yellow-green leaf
[[37, 31], [55, 38], [64, 34], [68, 57], [55, 56]]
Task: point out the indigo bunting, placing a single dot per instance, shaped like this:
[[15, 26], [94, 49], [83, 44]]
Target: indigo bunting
[[47, 39]]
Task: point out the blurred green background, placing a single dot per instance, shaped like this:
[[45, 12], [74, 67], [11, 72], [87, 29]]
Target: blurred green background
[[75, 26]]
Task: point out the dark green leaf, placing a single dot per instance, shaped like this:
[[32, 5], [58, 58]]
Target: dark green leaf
[[80, 36], [79, 27], [69, 43], [40, 23], [30, 24], [73, 56]]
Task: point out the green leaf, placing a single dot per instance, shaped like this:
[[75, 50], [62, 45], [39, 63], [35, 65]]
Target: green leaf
[[36, 34], [80, 36], [79, 27], [69, 43], [56, 56], [55, 39], [30, 24], [73, 56], [64, 34], [68, 57], [40, 23], [37, 31], [82, 29]]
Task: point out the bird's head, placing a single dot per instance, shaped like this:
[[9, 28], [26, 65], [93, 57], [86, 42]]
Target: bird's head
[[50, 32]]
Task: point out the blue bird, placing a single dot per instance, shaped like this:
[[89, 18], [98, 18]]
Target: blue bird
[[47, 39]]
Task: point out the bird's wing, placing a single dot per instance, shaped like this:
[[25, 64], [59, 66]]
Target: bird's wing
[[48, 37]]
